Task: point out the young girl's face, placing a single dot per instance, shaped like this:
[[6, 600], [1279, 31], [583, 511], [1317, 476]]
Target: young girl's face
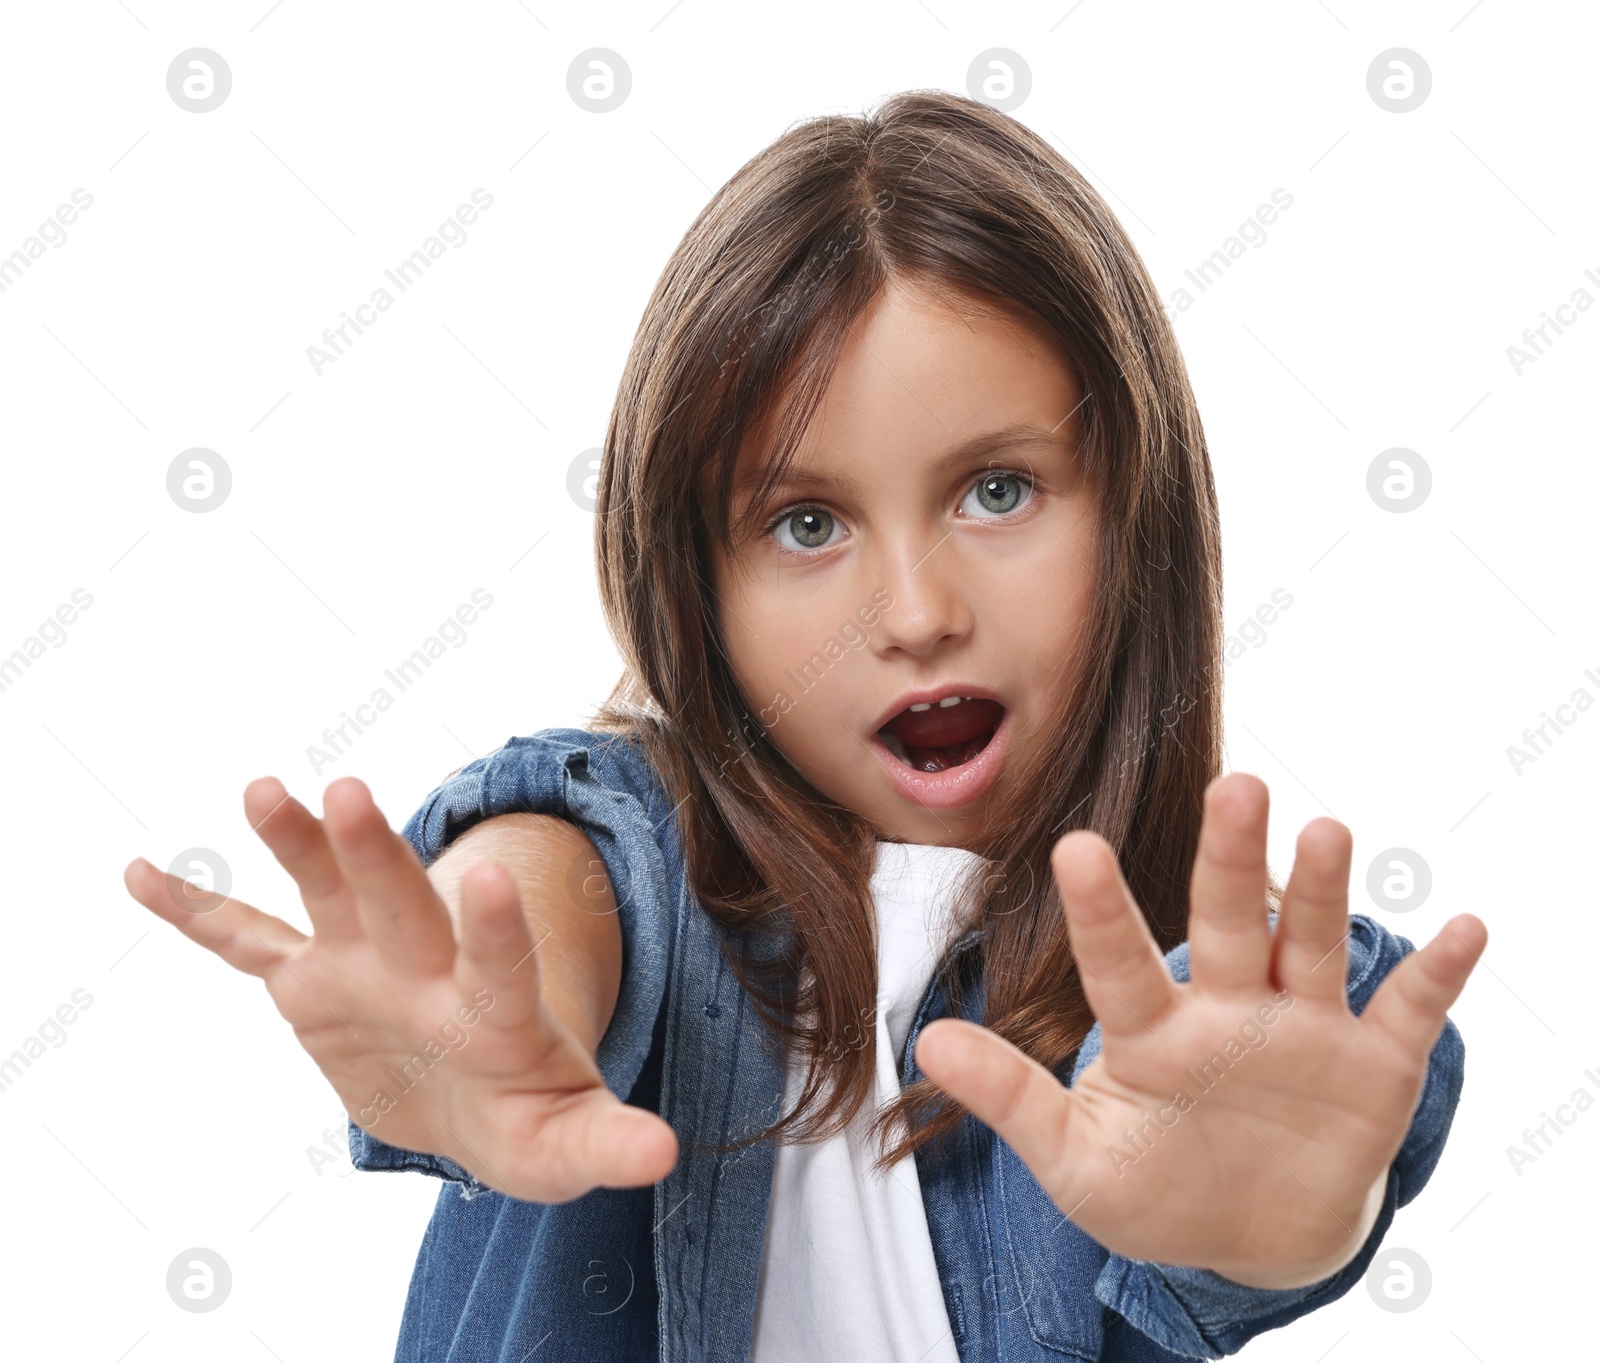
[[937, 539]]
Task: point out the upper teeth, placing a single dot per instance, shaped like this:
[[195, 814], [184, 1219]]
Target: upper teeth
[[944, 704]]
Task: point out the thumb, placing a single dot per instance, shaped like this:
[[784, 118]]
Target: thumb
[[602, 1142], [634, 1147], [1027, 1106]]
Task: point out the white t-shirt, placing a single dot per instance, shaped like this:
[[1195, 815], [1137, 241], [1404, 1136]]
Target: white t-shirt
[[847, 1273]]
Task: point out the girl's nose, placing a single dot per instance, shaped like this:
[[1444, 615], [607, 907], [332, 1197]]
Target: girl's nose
[[931, 602]]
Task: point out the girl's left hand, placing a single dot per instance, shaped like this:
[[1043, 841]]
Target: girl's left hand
[[1270, 1167]]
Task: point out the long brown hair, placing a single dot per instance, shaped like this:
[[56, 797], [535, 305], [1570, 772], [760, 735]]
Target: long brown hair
[[744, 328]]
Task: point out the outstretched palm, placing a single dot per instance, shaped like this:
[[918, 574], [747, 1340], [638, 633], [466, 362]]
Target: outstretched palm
[[440, 1045], [1245, 1121]]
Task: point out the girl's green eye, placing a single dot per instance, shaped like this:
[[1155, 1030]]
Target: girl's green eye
[[1001, 493], [805, 529], [810, 526]]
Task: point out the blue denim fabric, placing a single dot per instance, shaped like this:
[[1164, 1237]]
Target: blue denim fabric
[[670, 1272]]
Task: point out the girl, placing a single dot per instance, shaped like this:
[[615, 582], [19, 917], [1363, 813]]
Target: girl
[[907, 533]]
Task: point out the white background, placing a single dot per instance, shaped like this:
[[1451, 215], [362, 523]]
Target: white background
[[431, 459]]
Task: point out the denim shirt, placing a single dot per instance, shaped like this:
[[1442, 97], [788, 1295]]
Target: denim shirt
[[669, 1272]]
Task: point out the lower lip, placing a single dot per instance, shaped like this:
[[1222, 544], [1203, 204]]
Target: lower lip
[[954, 786]]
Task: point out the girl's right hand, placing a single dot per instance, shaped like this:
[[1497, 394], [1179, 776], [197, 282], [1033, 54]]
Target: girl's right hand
[[519, 1103]]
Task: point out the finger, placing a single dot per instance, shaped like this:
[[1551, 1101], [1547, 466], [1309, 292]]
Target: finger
[[634, 1148], [1230, 945], [296, 837], [497, 952], [587, 1140], [1125, 978], [1026, 1105], [396, 903], [623, 1146], [1310, 958], [1410, 1004], [244, 937]]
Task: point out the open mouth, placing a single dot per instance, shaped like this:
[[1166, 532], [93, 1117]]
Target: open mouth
[[948, 733]]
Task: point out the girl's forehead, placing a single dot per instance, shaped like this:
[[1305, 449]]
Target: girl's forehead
[[847, 395]]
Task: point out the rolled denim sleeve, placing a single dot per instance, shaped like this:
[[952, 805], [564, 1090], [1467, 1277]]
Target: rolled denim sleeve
[[1196, 1313], [605, 785]]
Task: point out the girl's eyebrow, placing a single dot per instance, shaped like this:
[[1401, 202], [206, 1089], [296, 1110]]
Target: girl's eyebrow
[[1021, 433]]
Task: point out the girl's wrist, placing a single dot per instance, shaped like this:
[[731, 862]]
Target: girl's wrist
[[1282, 1273]]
